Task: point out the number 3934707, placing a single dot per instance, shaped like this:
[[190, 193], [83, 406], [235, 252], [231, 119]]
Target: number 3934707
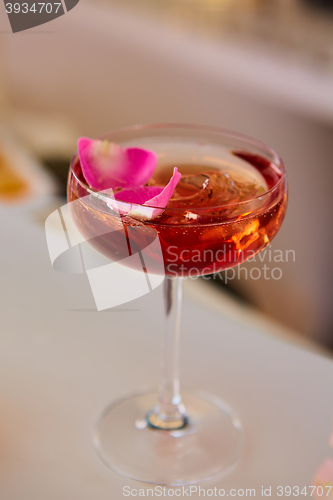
[[24, 8]]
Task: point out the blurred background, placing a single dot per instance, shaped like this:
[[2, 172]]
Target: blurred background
[[260, 67]]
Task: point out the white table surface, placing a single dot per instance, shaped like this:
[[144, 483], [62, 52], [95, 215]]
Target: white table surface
[[61, 363]]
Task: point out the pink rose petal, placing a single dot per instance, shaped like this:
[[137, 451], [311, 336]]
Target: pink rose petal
[[106, 165], [139, 195], [147, 196], [162, 199]]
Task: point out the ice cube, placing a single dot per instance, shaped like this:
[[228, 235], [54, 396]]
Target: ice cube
[[190, 185], [213, 189]]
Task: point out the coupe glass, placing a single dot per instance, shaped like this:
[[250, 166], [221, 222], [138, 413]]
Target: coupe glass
[[166, 437]]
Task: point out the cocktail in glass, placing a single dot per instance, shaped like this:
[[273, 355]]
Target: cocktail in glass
[[228, 206]]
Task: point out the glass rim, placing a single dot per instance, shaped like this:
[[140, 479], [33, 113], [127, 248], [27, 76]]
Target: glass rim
[[278, 162]]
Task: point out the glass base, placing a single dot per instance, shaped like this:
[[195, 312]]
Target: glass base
[[209, 445]]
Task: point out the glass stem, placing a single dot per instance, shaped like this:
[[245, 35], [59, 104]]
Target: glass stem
[[169, 412]]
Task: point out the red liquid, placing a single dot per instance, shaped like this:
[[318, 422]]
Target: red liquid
[[196, 236]]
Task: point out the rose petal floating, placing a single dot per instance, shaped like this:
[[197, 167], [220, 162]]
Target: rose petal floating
[[107, 165], [162, 199], [139, 195], [324, 477], [147, 196], [153, 196]]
